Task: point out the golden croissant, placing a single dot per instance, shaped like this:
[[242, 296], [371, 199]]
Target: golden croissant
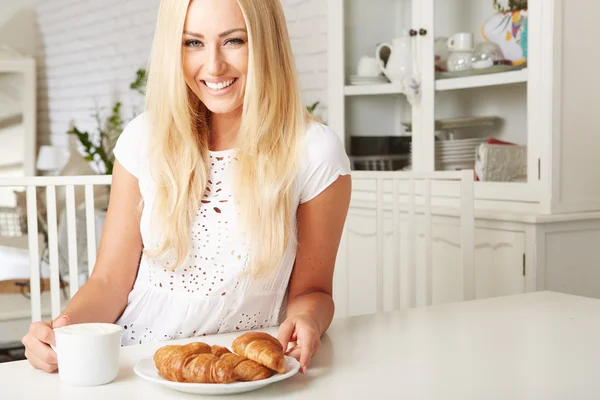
[[262, 348], [192, 363], [244, 369]]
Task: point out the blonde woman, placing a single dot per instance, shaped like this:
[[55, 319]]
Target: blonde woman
[[228, 199]]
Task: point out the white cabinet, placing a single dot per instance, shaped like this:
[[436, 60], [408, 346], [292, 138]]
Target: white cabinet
[[500, 256], [542, 107], [513, 254], [500, 262]]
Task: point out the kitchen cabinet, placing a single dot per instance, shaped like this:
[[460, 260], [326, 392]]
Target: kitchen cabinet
[[541, 105]]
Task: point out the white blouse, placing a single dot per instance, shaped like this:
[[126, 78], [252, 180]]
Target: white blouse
[[208, 294]]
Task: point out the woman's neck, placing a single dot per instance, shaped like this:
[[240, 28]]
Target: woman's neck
[[224, 130]]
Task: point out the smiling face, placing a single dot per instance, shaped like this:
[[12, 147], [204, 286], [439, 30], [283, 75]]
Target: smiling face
[[215, 54]]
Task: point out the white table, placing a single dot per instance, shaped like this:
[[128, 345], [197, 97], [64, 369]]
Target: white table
[[534, 346]]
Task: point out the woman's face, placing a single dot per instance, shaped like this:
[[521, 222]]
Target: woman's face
[[215, 54]]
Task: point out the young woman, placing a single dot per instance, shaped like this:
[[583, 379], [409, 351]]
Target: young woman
[[228, 199]]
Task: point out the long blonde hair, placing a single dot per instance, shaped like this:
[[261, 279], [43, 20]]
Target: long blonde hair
[[268, 143]]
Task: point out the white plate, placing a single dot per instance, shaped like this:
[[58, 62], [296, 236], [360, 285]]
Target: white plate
[[457, 144], [147, 370], [456, 148], [455, 151]]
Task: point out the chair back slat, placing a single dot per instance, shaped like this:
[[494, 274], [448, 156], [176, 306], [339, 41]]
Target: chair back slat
[[379, 248], [34, 254], [53, 250], [428, 247], [411, 281], [90, 221], [72, 239], [390, 256], [467, 233], [54, 233], [396, 250]]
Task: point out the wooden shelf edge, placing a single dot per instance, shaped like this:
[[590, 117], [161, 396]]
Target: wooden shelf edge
[[366, 90], [501, 78]]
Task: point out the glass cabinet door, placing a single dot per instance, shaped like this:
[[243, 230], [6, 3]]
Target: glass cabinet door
[[377, 33], [473, 112]]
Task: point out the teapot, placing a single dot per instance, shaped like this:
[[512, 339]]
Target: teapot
[[399, 63]]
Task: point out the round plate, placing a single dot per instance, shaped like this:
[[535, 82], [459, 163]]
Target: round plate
[[147, 370]]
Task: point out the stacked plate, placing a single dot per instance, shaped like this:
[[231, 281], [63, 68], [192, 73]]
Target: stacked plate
[[368, 80], [451, 155], [456, 154]]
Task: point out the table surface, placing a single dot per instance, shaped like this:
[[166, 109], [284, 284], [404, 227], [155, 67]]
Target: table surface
[[540, 345]]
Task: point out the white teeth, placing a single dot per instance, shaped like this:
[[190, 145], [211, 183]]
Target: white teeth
[[220, 85]]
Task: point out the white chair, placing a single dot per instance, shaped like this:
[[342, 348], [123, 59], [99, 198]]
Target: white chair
[[391, 255], [52, 185]]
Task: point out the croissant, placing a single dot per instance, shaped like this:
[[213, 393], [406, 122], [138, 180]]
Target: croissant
[[244, 369], [262, 348], [192, 363], [219, 350], [165, 353]]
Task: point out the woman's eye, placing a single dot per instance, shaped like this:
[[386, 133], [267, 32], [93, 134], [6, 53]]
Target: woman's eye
[[192, 43], [235, 41]]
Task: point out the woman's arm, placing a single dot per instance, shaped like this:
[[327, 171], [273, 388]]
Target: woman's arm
[[104, 296], [310, 304]]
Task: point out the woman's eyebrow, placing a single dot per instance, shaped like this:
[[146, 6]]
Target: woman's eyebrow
[[226, 33]]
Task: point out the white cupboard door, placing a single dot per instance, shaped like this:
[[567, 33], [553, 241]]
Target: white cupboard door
[[499, 258], [354, 289]]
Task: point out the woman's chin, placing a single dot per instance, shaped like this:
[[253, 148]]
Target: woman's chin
[[221, 107]]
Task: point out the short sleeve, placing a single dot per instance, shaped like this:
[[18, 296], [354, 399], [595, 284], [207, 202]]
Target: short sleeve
[[324, 160], [129, 145]]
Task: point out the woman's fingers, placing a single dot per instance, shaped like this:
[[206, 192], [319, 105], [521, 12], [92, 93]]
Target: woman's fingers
[[304, 350], [295, 352], [38, 363], [286, 330], [37, 349]]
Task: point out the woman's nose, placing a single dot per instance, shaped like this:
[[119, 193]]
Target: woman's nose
[[215, 63]]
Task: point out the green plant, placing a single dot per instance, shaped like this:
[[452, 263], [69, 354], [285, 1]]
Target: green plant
[[98, 147], [311, 109], [513, 5], [140, 82]]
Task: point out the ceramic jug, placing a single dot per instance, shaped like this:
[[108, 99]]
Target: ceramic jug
[[399, 63]]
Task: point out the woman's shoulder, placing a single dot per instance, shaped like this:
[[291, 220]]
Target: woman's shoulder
[[131, 145], [137, 127], [323, 159], [320, 137]]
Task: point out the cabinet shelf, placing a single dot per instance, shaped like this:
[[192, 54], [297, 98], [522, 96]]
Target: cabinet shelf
[[365, 90], [501, 78]]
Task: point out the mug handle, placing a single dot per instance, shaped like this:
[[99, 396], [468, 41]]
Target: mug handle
[[378, 57], [451, 44]]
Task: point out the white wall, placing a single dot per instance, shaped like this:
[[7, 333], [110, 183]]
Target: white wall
[[91, 50]]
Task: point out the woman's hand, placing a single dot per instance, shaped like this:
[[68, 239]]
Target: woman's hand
[[37, 344], [304, 333]]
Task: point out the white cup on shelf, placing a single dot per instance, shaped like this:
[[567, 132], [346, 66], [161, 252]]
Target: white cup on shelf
[[462, 41], [368, 66], [88, 354]]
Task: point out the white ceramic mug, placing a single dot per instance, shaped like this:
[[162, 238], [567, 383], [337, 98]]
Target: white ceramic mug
[[88, 354], [368, 66], [461, 42]]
